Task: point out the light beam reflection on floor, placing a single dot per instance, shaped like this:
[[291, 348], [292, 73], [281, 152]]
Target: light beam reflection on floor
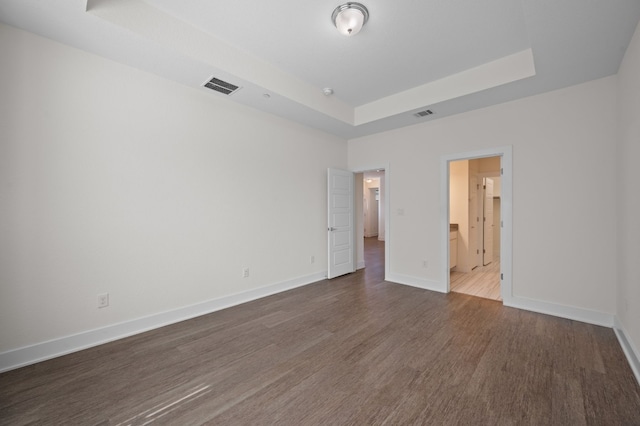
[[160, 410]]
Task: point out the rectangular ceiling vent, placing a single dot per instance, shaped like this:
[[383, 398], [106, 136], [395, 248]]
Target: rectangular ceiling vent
[[423, 113], [221, 86]]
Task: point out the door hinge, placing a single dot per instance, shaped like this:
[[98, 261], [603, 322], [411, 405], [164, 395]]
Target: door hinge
[[501, 171], [477, 251], [501, 224], [483, 251], [502, 276]]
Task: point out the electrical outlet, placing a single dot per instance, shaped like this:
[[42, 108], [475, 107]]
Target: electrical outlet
[[103, 300], [313, 259], [245, 273]]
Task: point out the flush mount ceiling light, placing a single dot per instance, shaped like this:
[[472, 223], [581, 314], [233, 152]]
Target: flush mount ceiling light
[[349, 18]]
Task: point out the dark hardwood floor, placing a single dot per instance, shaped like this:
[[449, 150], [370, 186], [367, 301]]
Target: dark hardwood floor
[[353, 350]]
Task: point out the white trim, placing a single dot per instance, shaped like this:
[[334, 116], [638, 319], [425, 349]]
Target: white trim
[[360, 265], [562, 311], [630, 351], [65, 345], [418, 282], [387, 221], [506, 206]]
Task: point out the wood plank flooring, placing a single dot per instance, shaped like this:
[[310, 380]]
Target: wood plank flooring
[[354, 350], [483, 281]]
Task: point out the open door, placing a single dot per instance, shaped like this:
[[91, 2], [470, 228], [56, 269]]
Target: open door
[[487, 257], [474, 223], [340, 227]]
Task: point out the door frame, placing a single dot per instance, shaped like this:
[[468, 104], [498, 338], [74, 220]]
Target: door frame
[[506, 213], [387, 214]]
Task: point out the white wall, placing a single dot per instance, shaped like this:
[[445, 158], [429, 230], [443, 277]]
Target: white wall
[[489, 165], [557, 144], [459, 210], [114, 180], [628, 194], [496, 186]]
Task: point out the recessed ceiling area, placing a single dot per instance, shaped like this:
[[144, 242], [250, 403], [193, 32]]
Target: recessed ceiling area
[[444, 56], [403, 45]]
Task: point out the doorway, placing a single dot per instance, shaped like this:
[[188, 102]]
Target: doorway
[[373, 210], [478, 223], [480, 276], [476, 270], [372, 222]]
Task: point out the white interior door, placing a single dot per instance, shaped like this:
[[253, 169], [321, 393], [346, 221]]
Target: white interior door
[[479, 222], [473, 223], [487, 257], [340, 227]]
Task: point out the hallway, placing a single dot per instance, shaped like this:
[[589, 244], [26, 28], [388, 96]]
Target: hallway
[[373, 259]]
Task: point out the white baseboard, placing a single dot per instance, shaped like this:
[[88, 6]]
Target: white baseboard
[[360, 265], [568, 312], [46, 350], [415, 282], [562, 311], [630, 351]]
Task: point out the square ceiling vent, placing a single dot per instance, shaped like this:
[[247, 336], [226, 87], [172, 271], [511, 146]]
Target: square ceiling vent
[[221, 86]]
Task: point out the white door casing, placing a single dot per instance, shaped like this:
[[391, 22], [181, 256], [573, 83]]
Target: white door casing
[[340, 226], [506, 209]]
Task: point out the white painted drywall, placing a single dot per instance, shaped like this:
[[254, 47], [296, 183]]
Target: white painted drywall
[[557, 144], [459, 210], [115, 180], [497, 186], [628, 193]]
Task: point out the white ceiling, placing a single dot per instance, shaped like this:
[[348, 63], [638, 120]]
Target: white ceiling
[[449, 56]]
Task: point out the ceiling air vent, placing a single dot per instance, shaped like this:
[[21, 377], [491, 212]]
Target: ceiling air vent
[[424, 113], [221, 86]]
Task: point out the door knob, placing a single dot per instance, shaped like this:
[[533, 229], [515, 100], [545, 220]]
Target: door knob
[[332, 229]]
